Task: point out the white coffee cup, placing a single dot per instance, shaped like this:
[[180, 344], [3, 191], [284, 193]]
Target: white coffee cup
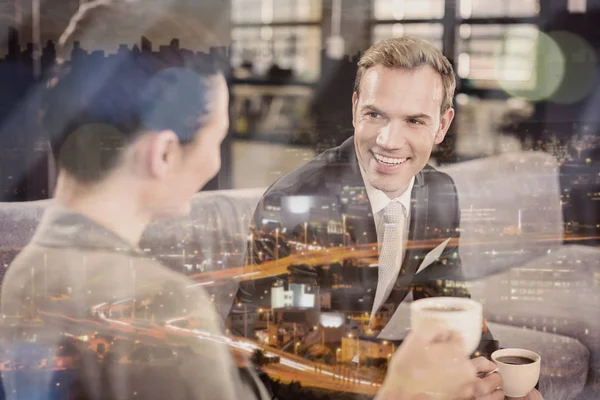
[[519, 379], [453, 313]]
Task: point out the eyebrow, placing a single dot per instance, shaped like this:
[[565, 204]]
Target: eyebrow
[[369, 107], [419, 116]]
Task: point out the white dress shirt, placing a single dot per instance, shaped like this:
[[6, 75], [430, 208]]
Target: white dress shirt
[[379, 200]]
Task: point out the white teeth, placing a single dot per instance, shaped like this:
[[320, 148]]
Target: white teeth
[[388, 160]]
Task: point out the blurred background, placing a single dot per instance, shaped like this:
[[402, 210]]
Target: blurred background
[[527, 71], [524, 151]]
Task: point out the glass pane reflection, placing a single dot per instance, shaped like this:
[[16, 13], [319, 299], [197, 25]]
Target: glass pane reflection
[[294, 47], [408, 9], [489, 52], [430, 32], [269, 11], [505, 8]]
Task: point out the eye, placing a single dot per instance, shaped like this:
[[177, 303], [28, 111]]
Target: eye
[[374, 115], [415, 121]]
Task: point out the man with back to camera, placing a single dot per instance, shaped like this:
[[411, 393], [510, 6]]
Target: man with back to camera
[[136, 135], [380, 189]]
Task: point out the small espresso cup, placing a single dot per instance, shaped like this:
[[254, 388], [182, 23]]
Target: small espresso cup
[[520, 370], [453, 313]]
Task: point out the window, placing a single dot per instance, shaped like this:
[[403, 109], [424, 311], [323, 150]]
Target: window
[[271, 11], [493, 53], [426, 31], [417, 18], [495, 9], [500, 52], [284, 34], [408, 9], [288, 47]]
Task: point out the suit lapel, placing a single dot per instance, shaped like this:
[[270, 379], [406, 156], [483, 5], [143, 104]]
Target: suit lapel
[[361, 226], [418, 222], [362, 229]]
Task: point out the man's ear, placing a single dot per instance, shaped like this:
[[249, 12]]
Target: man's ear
[[354, 105], [163, 153], [445, 122]]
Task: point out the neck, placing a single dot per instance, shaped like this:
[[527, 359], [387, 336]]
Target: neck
[[105, 203], [398, 193]]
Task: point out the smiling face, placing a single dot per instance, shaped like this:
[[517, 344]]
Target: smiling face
[[397, 123]]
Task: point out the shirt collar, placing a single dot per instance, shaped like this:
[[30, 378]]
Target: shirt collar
[[62, 227], [379, 200]]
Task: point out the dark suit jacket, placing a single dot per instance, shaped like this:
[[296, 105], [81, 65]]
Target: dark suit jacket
[[334, 178]]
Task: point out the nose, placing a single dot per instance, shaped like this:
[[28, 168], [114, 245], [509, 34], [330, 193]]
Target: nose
[[391, 137]]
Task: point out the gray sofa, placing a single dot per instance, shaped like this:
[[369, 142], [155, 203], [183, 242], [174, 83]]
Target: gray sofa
[[511, 209]]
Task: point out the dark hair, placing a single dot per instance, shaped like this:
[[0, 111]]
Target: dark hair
[[97, 105]]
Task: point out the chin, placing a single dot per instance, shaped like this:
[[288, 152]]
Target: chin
[[390, 187]]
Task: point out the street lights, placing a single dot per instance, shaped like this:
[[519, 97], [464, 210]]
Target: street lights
[[343, 230], [276, 245], [305, 236], [268, 311], [357, 351], [245, 318], [322, 329], [36, 38], [338, 367], [251, 252]]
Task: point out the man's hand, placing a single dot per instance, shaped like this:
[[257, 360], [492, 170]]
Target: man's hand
[[430, 363], [489, 386]]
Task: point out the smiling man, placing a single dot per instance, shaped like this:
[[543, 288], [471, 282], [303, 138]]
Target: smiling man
[[376, 191], [379, 183]]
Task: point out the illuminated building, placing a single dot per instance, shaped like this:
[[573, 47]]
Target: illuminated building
[[365, 348], [299, 295]]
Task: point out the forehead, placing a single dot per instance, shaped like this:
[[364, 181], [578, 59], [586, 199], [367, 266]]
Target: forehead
[[417, 89]]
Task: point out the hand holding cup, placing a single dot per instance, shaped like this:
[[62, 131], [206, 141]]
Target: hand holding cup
[[461, 315], [520, 370], [430, 364]]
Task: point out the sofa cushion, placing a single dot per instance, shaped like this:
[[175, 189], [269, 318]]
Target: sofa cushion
[[508, 203], [510, 210]]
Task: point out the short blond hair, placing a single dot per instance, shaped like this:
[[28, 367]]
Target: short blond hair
[[409, 53]]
